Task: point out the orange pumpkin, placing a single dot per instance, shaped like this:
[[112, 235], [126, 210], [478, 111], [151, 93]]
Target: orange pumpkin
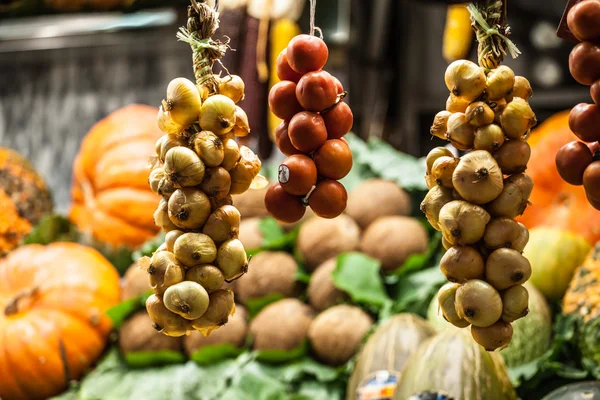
[[52, 317], [555, 203], [112, 200]]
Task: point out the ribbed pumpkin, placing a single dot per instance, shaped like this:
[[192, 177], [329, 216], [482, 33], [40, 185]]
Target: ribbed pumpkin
[[52, 317], [389, 348], [554, 202], [583, 299], [24, 199], [112, 200]]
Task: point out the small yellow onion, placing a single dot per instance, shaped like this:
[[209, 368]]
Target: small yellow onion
[[231, 152], [166, 124], [216, 203], [183, 167], [465, 79], [513, 156], [498, 107], [517, 118], [233, 87], [241, 127], [165, 321], [232, 259], [460, 133], [164, 271], [223, 224], [462, 263], [195, 248], [166, 143], [505, 232], [500, 82], [447, 304], [489, 137], [244, 171], [210, 277], [479, 303], [209, 148], [220, 306], [165, 187], [189, 208], [188, 299], [156, 175], [522, 88], [496, 336], [479, 114], [216, 183], [442, 170], [183, 101], [514, 198], [434, 154], [217, 114], [440, 125], [161, 216], [478, 178], [462, 222], [515, 303], [434, 200], [456, 104], [505, 268], [430, 181], [170, 239]]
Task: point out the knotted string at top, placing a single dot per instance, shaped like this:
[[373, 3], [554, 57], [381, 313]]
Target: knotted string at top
[[313, 28]]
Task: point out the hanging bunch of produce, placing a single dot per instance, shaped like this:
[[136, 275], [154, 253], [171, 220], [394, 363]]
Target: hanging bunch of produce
[[578, 162], [309, 100], [474, 199], [198, 166]]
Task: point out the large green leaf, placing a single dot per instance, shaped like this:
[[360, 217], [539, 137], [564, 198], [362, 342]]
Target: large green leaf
[[359, 276], [143, 359], [211, 354], [254, 306], [282, 356], [119, 313], [52, 228], [414, 292]]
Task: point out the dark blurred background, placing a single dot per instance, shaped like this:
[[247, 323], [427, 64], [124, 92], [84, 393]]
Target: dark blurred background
[[65, 64]]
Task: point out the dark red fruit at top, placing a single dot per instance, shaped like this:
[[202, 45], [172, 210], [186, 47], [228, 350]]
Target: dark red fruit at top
[[333, 159], [316, 91], [584, 121], [282, 140], [307, 53], [338, 120], [338, 85], [284, 71], [571, 161], [591, 183], [283, 206], [329, 199], [282, 100], [595, 92], [583, 18], [297, 174], [307, 131]]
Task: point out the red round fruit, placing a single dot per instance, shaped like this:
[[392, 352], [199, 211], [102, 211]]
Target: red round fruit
[[316, 91], [283, 206], [307, 131], [591, 183], [583, 63], [333, 159], [595, 92], [284, 71], [297, 174], [329, 199], [584, 121], [307, 53], [594, 148], [282, 140], [571, 162], [282, 100], [338, 85], [338, 120], [583, 18]]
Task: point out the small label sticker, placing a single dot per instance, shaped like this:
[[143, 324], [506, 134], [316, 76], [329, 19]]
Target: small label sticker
[[284, 174], [380, 385]]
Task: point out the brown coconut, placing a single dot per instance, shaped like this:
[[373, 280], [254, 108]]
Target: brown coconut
[[392, 239], [336, 334], [320, 239], [375, 198], [322, 292], [134, 282], [251, 203], [138, 334], [250, 234], [282, 325], [269, 272], [233, 332]]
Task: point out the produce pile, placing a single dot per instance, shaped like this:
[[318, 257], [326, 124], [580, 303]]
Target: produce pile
[[199, 166], [315, 119]]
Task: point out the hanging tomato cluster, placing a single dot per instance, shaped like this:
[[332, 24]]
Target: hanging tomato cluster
[[578, 163], [474, 199], [315, 119]]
